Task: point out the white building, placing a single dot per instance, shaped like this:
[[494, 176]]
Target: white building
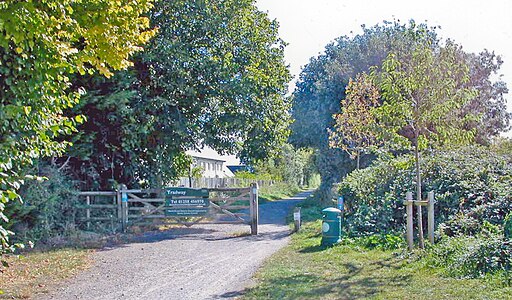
[[213, 164], [212, 168]]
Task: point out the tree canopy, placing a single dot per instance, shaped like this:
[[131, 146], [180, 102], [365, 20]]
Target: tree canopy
[[423, 94], [213, 75], [322, 85], [41, 44]]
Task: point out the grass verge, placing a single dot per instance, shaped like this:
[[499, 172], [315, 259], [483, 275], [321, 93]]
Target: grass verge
[[305, 270], [36, 272]]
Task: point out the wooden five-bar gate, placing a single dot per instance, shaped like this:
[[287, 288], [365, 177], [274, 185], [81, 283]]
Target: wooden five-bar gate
[[118, 210]]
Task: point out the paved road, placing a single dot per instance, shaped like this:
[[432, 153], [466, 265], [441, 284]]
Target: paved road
[[202, 262]]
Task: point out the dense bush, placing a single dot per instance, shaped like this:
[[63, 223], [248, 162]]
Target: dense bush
[[47, 209], [252, 176], [471, 185], [373, 196], [473, 256], [295, 167]]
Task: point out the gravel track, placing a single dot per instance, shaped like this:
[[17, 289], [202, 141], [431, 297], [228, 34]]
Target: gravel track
[[201, 262]]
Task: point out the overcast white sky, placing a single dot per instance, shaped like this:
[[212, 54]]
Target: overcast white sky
[[309, 25]]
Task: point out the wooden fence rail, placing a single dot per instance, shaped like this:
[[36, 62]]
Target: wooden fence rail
[[117, 210], [205, 182], [98, 206]]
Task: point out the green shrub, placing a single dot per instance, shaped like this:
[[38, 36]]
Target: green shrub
[[471, 185], [471, 256], [374, 196], [252, 176], [384, 241], [48, 207], [314, 181]]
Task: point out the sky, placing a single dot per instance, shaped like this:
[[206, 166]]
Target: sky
[[309, 25]]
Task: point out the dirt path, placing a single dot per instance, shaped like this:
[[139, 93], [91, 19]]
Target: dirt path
[[202, 262]]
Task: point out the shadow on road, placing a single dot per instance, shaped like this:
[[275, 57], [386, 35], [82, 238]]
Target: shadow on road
[[270, 214]]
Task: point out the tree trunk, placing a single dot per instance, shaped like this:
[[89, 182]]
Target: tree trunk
[[418, 194]]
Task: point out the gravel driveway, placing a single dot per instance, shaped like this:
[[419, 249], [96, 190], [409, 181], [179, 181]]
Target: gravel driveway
[[202, 262]]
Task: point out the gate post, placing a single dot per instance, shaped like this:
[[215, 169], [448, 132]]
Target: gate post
[[119, 207], [254, 208], [122, 198]]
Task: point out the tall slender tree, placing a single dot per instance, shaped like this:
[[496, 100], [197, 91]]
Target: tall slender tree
[[353, 128]]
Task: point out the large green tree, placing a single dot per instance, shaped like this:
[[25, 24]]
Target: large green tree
[[41, 44], [213, 75], [322, 85]]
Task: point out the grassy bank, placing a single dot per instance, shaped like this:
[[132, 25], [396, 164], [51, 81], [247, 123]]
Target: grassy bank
[[37, 272], [304, 270]]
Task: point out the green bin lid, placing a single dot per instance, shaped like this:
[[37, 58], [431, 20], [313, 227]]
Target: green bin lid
[[331, 210]]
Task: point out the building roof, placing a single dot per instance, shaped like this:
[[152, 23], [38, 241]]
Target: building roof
[[235, 169], [208, 158], [209, 153]]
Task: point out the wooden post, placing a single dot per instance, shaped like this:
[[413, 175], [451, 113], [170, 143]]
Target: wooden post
[[409, 210], [112, 224], [431, 223], [119, 206], [296, 219], [254, 208], [88, 211]]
